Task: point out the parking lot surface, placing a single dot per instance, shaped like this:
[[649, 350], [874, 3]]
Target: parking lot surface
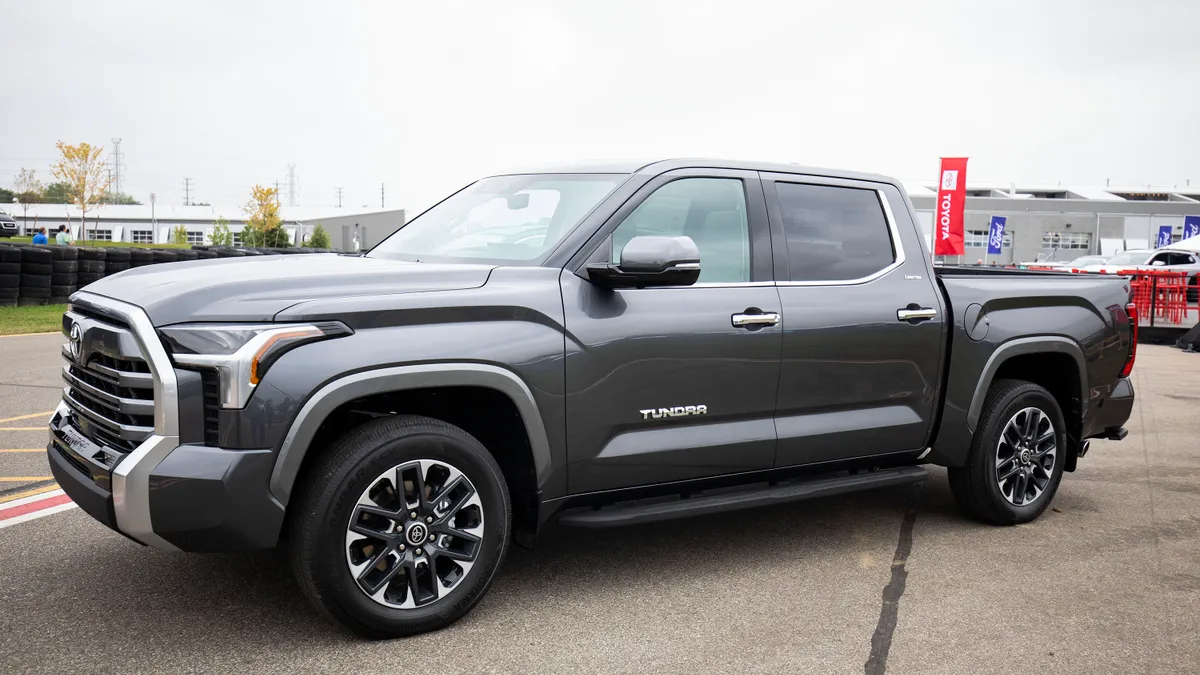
[[892, 581]]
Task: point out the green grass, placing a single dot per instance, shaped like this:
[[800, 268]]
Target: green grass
[[121, 244], [24, 320]]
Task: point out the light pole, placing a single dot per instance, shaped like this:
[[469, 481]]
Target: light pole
[[153, 220]]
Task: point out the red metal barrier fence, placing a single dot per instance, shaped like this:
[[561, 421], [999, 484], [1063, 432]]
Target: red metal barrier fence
[[1163, 297]]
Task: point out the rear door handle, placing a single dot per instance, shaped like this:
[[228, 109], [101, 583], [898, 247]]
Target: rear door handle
[[915, 315], [763, 319]]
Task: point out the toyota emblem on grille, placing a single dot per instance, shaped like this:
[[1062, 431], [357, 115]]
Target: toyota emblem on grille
[[76, 338]]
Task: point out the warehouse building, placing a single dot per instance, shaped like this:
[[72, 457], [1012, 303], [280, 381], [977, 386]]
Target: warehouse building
[[349, 229], [1060, 223]]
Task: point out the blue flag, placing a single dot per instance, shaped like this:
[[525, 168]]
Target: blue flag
[[1191, 226], [1164, 236], [996, 235]]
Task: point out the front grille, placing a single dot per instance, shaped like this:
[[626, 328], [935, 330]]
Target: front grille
[[210, 384], [111, 393]]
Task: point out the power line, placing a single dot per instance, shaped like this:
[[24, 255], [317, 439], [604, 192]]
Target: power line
[[187, 191], [291, 184], [339, 195]]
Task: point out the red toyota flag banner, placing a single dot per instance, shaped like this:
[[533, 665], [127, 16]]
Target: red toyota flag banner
[[951, 199]]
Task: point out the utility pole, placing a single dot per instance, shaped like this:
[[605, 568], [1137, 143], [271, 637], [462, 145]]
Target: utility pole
[[339, 193], [381, 195], [276, 193], [115, 190], [187, 191], [291, 184]]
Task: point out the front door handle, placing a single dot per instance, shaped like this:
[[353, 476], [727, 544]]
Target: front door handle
[[915, 314], [761, 319]]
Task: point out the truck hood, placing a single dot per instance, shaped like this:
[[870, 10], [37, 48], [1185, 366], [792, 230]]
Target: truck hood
[[257, 288]]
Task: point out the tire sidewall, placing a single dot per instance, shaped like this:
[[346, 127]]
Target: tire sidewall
[[1026, 397], [336, 508]]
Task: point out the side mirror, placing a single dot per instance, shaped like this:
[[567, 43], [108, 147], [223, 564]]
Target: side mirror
[[651, 261], [1159, 263]]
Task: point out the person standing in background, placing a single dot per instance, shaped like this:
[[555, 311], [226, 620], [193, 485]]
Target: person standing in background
[[40, 237], [64, 236]]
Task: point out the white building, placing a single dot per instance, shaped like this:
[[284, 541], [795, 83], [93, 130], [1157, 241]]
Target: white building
[[147, 224]]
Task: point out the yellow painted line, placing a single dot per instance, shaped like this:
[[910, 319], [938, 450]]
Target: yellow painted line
[[27, 417], [29, 493], [25, 428], [23, 479], [24, 450]]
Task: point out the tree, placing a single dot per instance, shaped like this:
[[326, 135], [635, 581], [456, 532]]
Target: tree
[[221, 234], [121, 198], [264, 227], [83, 169], [179, 234], [27, 187], [319, 238], [6, 196], [57, 193]]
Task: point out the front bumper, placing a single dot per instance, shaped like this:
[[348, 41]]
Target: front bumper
[[195, 498]]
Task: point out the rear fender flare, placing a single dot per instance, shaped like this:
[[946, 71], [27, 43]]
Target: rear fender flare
[[342, 390], [1041, 344]]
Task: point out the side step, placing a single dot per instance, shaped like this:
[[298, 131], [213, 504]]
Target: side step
[[742, 498]]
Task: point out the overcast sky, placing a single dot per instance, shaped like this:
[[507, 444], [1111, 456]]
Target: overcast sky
[[425, 96]]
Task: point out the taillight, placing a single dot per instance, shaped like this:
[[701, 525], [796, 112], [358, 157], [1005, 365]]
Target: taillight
[[1131, 312]]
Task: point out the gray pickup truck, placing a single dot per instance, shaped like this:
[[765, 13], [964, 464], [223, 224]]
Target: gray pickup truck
[[603, 345]]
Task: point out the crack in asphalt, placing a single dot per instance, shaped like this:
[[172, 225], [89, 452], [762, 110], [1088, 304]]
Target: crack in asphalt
[[30, 386], [889, 610]]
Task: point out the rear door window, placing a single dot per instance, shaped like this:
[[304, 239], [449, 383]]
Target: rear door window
[[833, 233]]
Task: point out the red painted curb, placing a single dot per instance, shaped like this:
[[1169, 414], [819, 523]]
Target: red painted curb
[[38, 505]]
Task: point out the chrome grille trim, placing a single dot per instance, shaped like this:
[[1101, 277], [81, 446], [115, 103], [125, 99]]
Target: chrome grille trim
[[125, 406], [131, 476]]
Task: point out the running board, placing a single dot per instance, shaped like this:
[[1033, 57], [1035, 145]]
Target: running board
[[741, 498]]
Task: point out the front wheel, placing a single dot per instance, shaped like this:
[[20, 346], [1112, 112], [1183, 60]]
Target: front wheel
[[400, 527], [1017, 456]]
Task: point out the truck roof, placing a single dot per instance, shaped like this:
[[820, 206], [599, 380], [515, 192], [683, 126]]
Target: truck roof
[[661, 165]]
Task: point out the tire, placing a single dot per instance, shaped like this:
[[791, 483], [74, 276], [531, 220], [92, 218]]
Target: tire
[[164, 256], [45, 269], [8, 302], [141, 256], [111, 268], [64, 253], [85, 279], [327, 498], [9, 254], [10, 267], [205, 254], [25, 301], [91, 266], [185, 254], [35, 280], [117, 255], [10, 293], [62, 291], [36, 254], [64, 266], [92, 253], [975, 486], [63, 279], [10, 280], [34, 292]]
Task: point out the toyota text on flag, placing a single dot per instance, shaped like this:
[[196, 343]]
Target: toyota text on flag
[[951, 198]]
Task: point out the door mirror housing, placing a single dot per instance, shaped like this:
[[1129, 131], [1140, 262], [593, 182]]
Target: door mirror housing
[[650, 261], [1159, 263]]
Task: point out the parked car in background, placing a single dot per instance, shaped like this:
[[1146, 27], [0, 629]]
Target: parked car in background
[[1144, 259], [8, 226], [1086, 261]]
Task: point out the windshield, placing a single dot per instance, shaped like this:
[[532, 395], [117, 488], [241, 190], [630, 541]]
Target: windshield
[[1129, 258], [504, 218]]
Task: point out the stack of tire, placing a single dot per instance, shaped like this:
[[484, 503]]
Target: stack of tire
[[36, 268], [10, 275], [64, 275], [116, 260], [92, 265]]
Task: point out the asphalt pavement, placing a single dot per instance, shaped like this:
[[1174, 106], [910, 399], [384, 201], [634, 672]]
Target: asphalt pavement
[[891, 581]]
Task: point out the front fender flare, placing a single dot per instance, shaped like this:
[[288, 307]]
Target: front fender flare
[[344, 389]]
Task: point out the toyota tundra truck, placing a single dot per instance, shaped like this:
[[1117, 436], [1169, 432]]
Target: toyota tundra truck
[[601, 345]]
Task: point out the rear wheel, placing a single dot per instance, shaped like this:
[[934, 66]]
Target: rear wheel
[[400, 527], [1017, 456]]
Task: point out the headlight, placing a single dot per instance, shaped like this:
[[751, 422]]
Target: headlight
[[241, 354]]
